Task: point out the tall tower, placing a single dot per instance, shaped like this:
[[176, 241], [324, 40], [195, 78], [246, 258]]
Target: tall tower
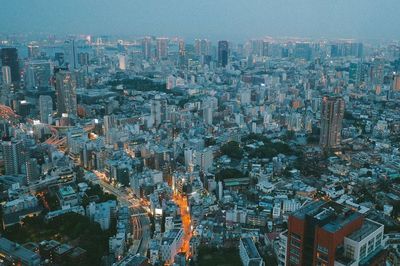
[[223, 53], [332, 112], [162, 48], [146, 48], [38, 74], [6, 75], [45, 108], [9, 57], [71, 54], [66, 93], [13, 156]]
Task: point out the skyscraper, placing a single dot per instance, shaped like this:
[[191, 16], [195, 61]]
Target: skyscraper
[[66, 93], [162, 48], [13, 156], [6, 75], [38, 74], [332, 112], [223, 53], [146, 48], [122, 62], [45, 108], [33, 51], [9, 57], [71, 54]]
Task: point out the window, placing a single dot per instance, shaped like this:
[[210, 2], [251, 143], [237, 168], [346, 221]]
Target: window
[[322, 257], [322, 249], [363, 251], [349, 251], [378, 240], [295, 251], [294, 259], [295, 243], [370, 245], [296, 236]]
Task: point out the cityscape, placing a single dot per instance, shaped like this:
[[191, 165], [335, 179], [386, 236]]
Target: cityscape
[[163, 149]]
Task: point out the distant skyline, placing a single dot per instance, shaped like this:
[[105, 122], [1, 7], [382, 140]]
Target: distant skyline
[[235, 20]]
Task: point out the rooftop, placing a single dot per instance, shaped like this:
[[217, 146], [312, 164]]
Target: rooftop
[[250, 247], [15, 250], [367, 228]]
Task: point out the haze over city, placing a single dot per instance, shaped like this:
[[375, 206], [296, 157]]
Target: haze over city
[[234, 20]]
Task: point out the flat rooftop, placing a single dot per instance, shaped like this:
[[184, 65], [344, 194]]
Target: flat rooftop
[[333, 216], [250, 247], [367, 228]]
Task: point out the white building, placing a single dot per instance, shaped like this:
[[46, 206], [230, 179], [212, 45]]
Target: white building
[[249, 253], [361, 245], [170, 244]]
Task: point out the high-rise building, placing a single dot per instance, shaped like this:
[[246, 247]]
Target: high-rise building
[[202, 47], [6, 75], [66, 93], [158, 110], [38, 74], [32, 170], [328, 233], [14, 157], [146, 48], [45, 108], [332, 112], [223, 53], [71, 54], [9, 57], [122, 62], [162, 48], [33, 51], [83, 59]]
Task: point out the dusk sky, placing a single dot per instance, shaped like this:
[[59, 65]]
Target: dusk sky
[[215, 19]]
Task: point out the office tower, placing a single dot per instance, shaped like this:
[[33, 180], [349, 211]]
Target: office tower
[[265, 49], [223, 53], [146, 48], [71, 54], [9, 57], [66, 93], [328, 233], [109, 122], [45, 108], [182, 62], [38, 74], [6, 75], [162, 48], [13, 156], [332, 112], [303, 51], [33, 51], [202, 47], [122, 62], [83, 59]]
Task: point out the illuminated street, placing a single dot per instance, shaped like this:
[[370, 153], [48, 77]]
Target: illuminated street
[[186, 224]]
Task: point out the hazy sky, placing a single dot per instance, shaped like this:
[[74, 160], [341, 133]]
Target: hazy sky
[[215, 19]]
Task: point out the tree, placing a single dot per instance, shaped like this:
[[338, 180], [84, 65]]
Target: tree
[[228, 173], [232, 149]]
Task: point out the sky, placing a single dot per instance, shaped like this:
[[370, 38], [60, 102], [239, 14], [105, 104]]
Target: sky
[[215, 19]]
